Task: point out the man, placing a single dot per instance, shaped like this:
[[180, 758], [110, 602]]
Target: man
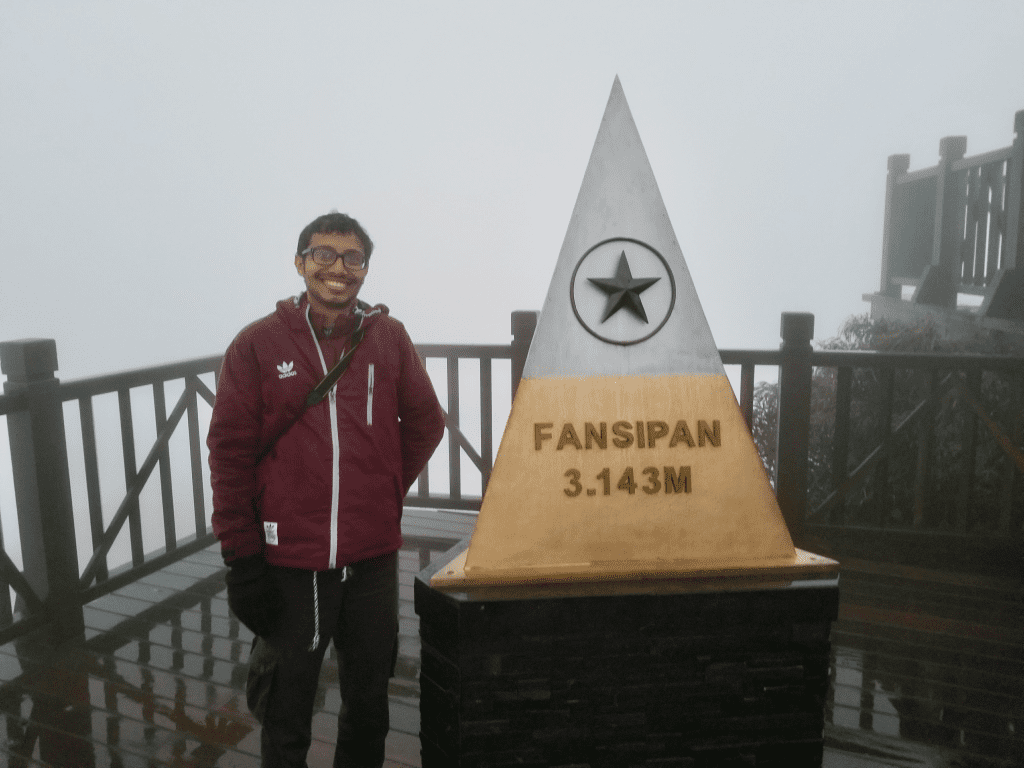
[[307, 502]]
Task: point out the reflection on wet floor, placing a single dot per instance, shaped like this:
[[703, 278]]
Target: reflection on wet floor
[[858, 702], [155, 684], [931, 659], [160, 681], [924, 673]]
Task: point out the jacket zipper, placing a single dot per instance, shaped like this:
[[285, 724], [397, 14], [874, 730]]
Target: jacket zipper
[[369, 395], [332, 561]]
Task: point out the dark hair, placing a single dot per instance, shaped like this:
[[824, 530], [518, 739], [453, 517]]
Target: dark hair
[[335, 222]]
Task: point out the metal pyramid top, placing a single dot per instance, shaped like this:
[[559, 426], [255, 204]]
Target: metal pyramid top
[[631, 307]]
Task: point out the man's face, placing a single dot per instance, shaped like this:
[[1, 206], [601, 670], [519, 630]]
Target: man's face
[[332, 289]]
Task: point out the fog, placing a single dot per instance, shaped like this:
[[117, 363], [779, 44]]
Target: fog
[[159, 158]]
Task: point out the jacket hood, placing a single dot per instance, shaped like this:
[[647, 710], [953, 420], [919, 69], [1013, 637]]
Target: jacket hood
[[293, 312]]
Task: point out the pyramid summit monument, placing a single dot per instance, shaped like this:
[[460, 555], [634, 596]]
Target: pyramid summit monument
[[630, 587], [625, 455]]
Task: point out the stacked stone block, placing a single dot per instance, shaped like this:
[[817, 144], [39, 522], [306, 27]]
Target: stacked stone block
[[667, 678]]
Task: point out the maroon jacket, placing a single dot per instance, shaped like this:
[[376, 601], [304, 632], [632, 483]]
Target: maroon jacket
[[330, 490]]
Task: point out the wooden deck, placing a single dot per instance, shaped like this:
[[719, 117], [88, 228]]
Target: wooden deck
[[928, 671]]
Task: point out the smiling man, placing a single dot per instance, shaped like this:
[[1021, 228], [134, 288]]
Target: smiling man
[[334, 266], [308, 493]]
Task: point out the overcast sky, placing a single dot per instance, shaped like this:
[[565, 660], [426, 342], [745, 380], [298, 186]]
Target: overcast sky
[[158, 158]]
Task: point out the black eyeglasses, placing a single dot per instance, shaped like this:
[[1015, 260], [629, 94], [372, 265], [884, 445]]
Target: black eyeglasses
[[325, 256]]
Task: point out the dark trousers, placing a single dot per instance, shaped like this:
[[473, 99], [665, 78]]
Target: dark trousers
[[360, 614]]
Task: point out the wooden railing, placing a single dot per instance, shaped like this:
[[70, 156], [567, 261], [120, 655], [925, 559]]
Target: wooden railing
[[928, 381], [958, 228], [911, 457], [819, 497], [918, 458], [51, 585], [523, 326]]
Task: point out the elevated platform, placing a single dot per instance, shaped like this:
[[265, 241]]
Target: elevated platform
[[926, 671]]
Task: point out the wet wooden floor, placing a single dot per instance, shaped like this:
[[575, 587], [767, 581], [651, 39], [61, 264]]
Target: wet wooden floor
[[928, 671]]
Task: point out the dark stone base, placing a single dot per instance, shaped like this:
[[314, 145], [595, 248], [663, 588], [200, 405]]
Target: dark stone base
[[663, 677]]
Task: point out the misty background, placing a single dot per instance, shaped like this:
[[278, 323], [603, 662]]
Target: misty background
[[158, 159]]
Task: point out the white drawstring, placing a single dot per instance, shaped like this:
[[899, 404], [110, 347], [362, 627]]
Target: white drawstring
[[316, 617], [316, 608]]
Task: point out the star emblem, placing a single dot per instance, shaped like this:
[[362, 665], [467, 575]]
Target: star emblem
[[624, 290]]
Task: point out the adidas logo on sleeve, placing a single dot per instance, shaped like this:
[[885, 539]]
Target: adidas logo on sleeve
[[286, 369]]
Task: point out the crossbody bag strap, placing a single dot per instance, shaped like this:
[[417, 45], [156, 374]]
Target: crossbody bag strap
[[318, 393]]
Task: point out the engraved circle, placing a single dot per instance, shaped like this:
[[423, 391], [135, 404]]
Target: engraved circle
[[647, 256]]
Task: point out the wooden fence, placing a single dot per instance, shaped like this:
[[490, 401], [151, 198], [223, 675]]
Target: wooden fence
[[869, 410], [957, 228]]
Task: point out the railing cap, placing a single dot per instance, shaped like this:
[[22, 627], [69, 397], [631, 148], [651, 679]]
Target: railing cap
[[899, 163], [524, 321], [797, 328], [25, 360], [952, 147]]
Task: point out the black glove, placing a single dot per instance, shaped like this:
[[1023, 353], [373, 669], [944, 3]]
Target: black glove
[[253, 595]]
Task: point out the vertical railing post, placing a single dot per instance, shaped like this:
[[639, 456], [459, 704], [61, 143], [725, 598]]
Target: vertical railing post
[[524, 323], [898, 165], [941, 276], [1013, 477], [883, 501], [454, 449], [6, 609], [747, 394], [950, 207], [925, 449], [793, 433], [42, 483], [841, 441], [965, 502], [1013, 253], [1006, 286]]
